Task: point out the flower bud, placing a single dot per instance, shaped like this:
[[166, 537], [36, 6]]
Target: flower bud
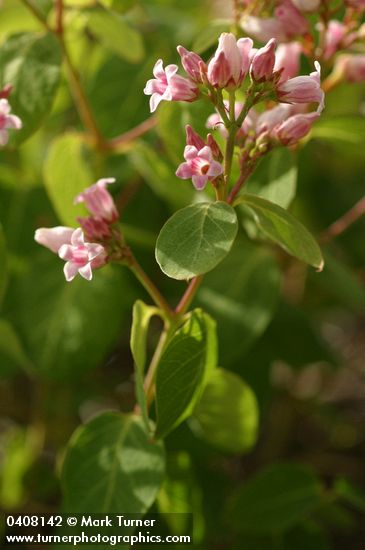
[[295, 128], [335, 33], [192, 138], [262, 64], [217, 153], [193, 64], [98, 200], [230, 63]]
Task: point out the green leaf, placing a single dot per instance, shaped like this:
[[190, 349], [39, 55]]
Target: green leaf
[[171, 115], [69, 328], [66, 174], [31, 63], [142, 315], [241, 294], [112, 465], [196, 239], [209, 35], [284, 229], [275, 179], [183, 369], [12, 354], [276, 499], [227, 414], [117, 35]]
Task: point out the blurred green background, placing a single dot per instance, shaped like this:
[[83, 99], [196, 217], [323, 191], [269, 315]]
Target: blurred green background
[[294, 335]]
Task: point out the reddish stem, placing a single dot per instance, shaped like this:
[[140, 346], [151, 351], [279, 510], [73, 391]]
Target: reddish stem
[[343, 223]]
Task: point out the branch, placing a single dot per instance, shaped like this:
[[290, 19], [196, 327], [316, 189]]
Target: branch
[[343, 223]]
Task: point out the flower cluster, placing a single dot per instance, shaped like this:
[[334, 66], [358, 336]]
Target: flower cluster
[[289, 22], [268, 74], [82, 256]]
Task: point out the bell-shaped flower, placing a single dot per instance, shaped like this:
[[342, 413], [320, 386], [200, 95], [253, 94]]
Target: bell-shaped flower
[[200, 166], [230, 63], [294, 128], [81, 257], [7, 121], [169, 86], [303, 89], [54, 237], [99, 201]]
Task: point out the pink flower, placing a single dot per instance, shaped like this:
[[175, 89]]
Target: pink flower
[[199, 166], [336, 32], [6, 91], [291, 19], [351, 67], [262, 64], [288, 59], [54, 237], [7, 121], [264, 29], [81, 257], [231, 61], [192, 63], [99, 201], [307, 5], [303, 89], [295, 128], [169, 86]]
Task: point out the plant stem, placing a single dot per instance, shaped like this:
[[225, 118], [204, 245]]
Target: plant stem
[[37, 14], [59, 16], [149, 385], [150, 287], [343, 223], [132, 134], [188, 295], [81, 100]]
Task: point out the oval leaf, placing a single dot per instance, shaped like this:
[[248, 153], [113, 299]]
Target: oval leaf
[[275, 499], [32, 65], [196, 239], [227, 413], [284, 229], [184, 367], [111, 465], [66, 174]]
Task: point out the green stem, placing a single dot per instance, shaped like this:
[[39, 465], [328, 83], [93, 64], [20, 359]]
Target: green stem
[[37, 14], [150, 287], [149, 382], [188, 295]]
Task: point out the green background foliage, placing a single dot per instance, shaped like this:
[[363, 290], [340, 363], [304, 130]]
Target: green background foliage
[[268, 450]]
